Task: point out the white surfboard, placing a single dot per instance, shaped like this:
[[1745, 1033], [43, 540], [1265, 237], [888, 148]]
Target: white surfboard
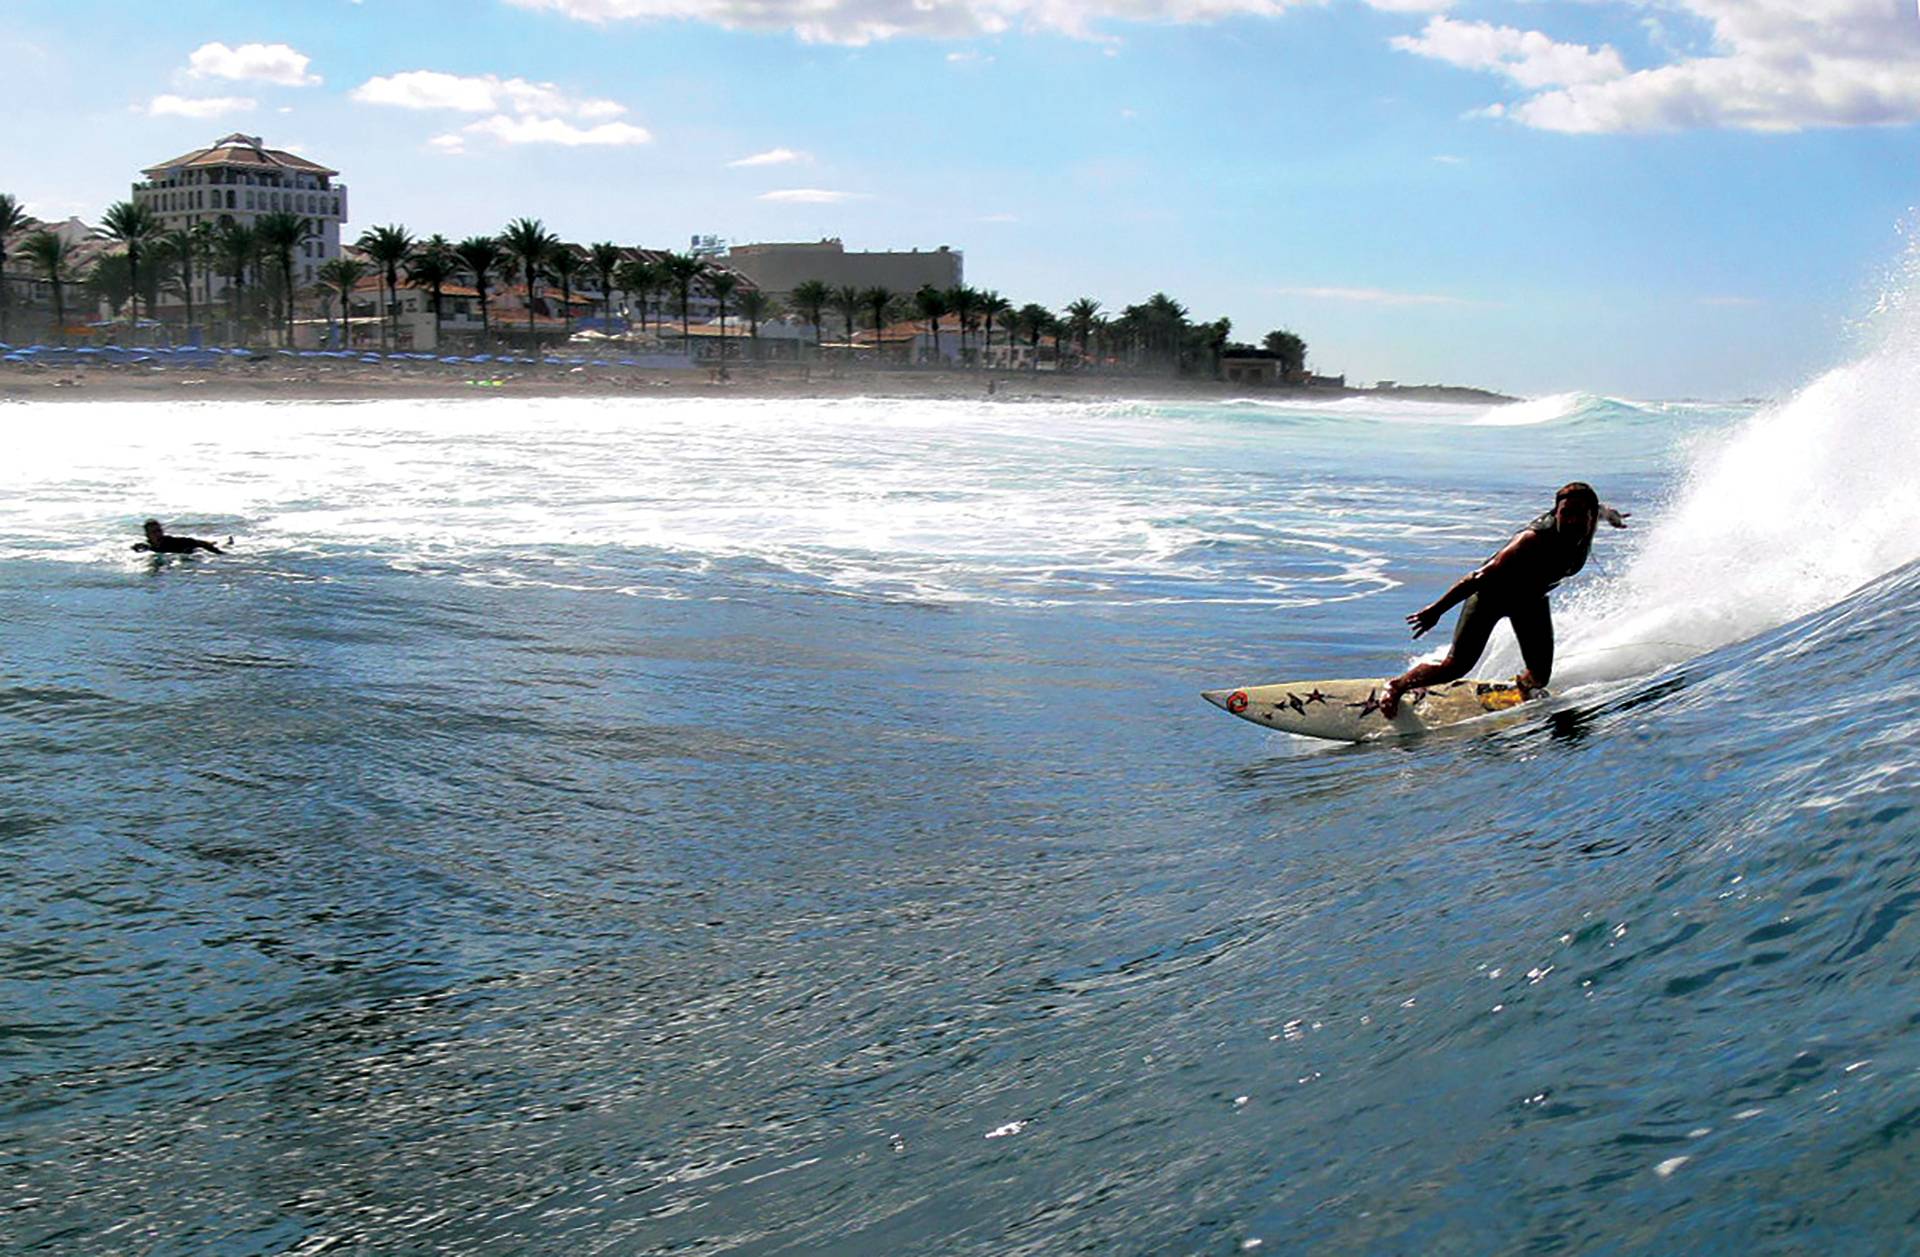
[[1349, 711]]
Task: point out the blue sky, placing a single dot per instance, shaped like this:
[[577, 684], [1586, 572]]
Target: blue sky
[[1654, 198]]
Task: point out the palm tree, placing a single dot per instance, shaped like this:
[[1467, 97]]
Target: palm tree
[[812, 299], [1037, 320], [280, 234], [481, 256], [433, 264], [13, 218], [565, 264], [1292, 352], [652, 277], [755, 305], [134, 225], [605, 259], [51, 254], [846, 303], [932, 304], [1166, 326], [1081, 315], [682, 271], [236, 249], [109, 280], [343, 275], [992, 304], [528, 242], [723, 284], [636, 278], [1103, 338], [389, 247], [160, 274], [187, 247], [965, 304], [876, 300]]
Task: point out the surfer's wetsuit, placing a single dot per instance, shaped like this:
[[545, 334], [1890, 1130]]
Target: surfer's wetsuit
[[1513, 586], [1520, 597], [158, 542]]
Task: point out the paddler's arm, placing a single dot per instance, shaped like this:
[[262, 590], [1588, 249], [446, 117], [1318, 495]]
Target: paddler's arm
[[1511, 556]]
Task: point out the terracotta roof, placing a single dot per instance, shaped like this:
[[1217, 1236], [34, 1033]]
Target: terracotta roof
[[241, 150], [907, 329], [373, 283]]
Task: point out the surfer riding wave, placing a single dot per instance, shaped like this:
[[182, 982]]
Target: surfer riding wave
[[1513, 586]]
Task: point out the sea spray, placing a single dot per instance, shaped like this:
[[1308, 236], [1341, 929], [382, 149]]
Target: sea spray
[[1805, 502]]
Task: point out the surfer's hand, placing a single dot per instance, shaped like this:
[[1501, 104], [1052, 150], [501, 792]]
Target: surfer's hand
[[1617, 518], [1422, 620]]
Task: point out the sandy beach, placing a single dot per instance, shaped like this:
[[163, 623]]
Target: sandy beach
[[274, 378]]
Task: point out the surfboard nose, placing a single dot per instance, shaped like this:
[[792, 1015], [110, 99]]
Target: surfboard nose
[[1217, 697]]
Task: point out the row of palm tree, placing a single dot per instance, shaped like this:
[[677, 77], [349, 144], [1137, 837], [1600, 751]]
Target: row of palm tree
[[152, 260], [525, 254], [1156, 334]]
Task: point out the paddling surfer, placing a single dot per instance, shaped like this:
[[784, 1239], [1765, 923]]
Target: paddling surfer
[[158, 542], [1513, 586]]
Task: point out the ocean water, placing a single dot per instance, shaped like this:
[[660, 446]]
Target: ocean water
[[793, 827]]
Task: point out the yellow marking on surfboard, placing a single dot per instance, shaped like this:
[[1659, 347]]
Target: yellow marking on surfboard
[[1500, 697]]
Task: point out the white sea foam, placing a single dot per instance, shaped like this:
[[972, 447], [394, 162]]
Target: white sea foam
[[1550, 409], [1031, 504], [1786, 514]]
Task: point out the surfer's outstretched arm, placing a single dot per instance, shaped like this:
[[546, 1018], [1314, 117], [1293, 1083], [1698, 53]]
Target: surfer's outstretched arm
[[205, 545], [1492, 571]]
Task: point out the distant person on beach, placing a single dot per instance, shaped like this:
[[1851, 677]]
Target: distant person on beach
[[1513, 586], [158, 542]]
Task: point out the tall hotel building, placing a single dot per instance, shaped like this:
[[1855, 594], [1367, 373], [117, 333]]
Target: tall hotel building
[[237, 179]]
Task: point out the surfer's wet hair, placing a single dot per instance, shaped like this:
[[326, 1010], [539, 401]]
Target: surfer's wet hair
[[1579, 492]]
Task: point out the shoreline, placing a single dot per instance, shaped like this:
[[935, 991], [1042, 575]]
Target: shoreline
[[289, 380]]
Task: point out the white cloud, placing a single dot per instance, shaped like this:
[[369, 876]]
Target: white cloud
[[1527, 57], [262, 63], [810, 196], [525, 130], [170, 106], [772, 157], [1449, 159], [1773, 65], [479, 93], [867, 21], [1372, 296]]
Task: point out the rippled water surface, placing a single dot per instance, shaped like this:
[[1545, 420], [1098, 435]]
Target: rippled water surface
[[718, 826]]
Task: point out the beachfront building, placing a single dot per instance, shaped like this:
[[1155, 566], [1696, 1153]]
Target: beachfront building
[[1257, 367], [30, 294], [236, 179], [780, 268]]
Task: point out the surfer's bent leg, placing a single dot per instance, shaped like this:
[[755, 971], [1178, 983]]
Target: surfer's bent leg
[[1533, 628], [1470, 634]]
